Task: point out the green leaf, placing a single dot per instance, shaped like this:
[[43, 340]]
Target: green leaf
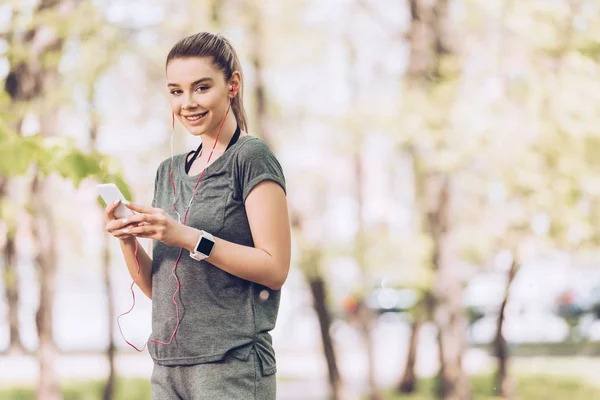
[[77, 166], [17, 154]]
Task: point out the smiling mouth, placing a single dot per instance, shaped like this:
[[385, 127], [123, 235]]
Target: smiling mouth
[[195, 117]]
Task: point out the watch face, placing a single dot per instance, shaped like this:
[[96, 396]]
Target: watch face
[[205, 246]]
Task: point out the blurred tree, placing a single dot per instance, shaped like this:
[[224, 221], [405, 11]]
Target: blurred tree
[[408, 382], [429, 76], [101, 35], [537, 197], [553, 195], [259, 21], [32, 72], [109, 388], [357, 130], [367, 317], [310, 262], [32, 84], [8, 216], [312, 252], [431, 143], [256, 53], [10, 276]]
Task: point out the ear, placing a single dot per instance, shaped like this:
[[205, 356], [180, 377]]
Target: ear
[[235, 84]]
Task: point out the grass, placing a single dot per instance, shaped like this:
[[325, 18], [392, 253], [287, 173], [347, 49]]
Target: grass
[[529, 387], [134, 389], [534, 387]]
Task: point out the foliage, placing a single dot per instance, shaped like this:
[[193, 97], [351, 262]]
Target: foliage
[[60, 155]]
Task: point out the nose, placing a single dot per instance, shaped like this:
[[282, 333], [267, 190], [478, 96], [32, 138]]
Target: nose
[[189, 103]]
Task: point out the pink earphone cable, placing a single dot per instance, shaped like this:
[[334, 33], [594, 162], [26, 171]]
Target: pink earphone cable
[[174, 208]]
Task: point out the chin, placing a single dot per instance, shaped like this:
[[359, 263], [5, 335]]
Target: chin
[[196, 131]]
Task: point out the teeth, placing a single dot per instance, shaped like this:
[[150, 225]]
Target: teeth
[[195, 117]]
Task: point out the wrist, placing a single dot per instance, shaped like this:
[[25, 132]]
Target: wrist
[[129, 241], [190, 237]]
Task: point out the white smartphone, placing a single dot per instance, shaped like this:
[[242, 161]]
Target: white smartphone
[[109, 193]]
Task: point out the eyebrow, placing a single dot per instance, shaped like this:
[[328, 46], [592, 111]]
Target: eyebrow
[[193, 83]]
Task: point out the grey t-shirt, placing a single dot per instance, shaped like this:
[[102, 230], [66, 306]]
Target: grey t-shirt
[[219, 312]]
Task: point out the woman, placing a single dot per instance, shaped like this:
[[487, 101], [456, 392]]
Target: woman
[[222, 240]]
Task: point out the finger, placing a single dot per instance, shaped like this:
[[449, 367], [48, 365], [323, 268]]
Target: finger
[[116, 227], [148, 235], [143, 231], [123, 232], [123, 236], [109, 211], [142, 219], [141, 209], [121, 223]]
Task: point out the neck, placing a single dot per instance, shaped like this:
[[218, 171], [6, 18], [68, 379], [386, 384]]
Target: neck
[[227, 132]]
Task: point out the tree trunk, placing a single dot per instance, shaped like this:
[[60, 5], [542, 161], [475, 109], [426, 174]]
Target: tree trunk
[[44, 239], [318, 291], [11, 286], [430, 40], [257, 46], [366, 317], [109, 388], [504, 385], [10, 276], [441, 385], [408, 384], [454, 383], [310, 264], [448, 315], [312, 256], [43, 235]]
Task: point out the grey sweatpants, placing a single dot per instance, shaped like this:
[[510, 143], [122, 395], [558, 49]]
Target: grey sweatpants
[[229, 379]]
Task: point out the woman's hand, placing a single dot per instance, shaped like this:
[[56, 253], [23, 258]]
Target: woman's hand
[[118, 227], [156, 223]]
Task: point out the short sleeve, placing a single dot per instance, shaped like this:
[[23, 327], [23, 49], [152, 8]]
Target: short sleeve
[[257, 163]]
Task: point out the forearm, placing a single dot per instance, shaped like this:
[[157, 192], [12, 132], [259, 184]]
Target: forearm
[[246, 262], [144, 278]]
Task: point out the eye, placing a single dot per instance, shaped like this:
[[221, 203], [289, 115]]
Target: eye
[[202, 88], [175, 92]]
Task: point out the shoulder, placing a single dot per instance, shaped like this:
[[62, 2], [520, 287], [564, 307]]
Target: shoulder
[[254, 147], [255, 162], [255, 152]]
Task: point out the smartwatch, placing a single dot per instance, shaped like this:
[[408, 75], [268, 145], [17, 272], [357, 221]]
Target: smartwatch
[[203, 247]]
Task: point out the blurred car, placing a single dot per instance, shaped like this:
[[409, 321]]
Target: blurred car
[[383, 300], [571, 305], [593, 301], [387, 299]]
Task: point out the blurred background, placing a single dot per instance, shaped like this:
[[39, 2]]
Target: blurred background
[[442, 160]]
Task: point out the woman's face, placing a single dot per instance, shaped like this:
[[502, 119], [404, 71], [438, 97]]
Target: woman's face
[[198, 93]]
